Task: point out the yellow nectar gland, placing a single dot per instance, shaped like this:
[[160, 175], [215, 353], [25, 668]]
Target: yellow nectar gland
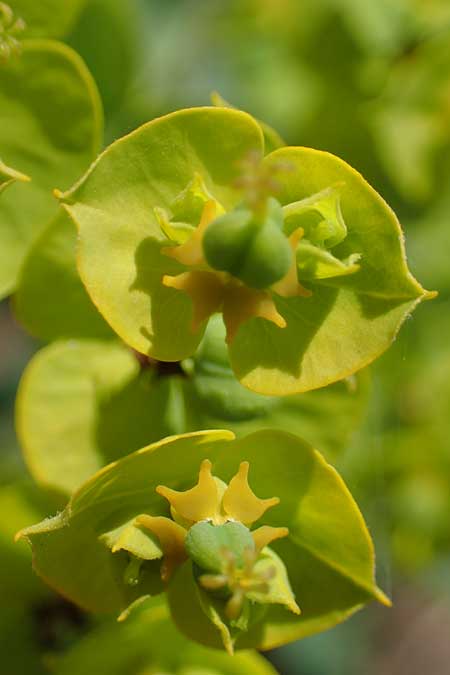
[[209, 500]]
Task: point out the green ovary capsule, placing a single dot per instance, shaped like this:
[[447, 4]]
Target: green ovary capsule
[[250, 248]]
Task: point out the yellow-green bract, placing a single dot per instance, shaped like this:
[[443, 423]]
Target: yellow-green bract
[[328, 553], [350, 313]]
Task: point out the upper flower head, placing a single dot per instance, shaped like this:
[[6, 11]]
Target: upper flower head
[[301, 256]]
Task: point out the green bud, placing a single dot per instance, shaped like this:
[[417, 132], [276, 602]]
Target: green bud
[[249, 246], [208, 545]]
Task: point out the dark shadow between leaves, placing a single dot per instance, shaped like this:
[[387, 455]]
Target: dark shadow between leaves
[[262, 344], [132, 417], [373, 307]]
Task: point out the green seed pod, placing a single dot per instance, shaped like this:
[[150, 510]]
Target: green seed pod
[[226, 239], [205, 544], [268, 258], [254, 250]]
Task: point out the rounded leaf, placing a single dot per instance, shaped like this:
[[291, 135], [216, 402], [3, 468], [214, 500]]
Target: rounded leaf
[[82, 404], [113, 207], [349, 320]]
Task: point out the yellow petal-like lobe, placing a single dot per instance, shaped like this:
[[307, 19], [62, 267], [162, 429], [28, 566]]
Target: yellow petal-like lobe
[[266, 534], [200, 502], [242, 303], [191, 252], [289, 286], [171, 536], [240, 502], [205, 289]]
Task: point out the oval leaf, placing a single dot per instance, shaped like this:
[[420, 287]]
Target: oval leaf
[[82, 404], [113, 207]]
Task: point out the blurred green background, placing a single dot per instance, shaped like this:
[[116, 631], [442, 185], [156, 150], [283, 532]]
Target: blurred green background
[[370, 82]]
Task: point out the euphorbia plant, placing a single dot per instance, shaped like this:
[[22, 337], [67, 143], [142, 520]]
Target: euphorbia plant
[[256, 541], [303, 258]]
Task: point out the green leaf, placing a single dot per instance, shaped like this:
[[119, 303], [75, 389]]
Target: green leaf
[[113, 209], [83, 404], [113, 22], [106, 405], [217, 399], [328, 554], [49, 103], [349, 320], [51, 301], [150, 639], [47, 18]]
